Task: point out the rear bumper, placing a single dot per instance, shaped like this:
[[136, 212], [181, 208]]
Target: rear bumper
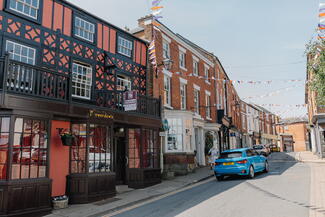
[[239, 170]]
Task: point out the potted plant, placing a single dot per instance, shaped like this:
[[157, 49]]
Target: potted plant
[[67, 139]]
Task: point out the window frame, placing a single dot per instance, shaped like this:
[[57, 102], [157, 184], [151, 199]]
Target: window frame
[[37, 20], [182, 59], [165, 42], [167, 98], [195, 67], [86, 20], [124, 79], [91, 80], [118, 46], [196, 99], [183, 95], [208, 106]]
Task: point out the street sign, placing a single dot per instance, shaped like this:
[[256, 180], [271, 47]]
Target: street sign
[[130, 100]]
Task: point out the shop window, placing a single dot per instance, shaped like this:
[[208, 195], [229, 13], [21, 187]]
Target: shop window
[[175, 135], [134, 148], [84, 29], [150, 149], [4, 146], [27, 7], [78, 151], [124, 46], [81, 80], [99, 149], [29, 156]]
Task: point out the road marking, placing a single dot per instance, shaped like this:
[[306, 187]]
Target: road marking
[[157, 198]]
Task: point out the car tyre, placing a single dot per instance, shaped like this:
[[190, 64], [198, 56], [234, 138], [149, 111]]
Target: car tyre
[[219, 178], [251, 174], [266, 167]]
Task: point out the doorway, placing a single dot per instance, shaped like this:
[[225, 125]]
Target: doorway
[[121, 160]]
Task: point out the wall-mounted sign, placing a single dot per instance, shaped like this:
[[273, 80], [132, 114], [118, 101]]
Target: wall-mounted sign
[[130, 100], [100, 114]]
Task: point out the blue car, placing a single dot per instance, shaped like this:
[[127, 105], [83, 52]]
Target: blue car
[[243, 162]]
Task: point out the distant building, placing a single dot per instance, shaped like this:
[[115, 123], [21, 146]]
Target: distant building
[[294, 135]]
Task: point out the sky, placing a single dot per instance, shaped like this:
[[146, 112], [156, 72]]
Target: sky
[[254, 39]]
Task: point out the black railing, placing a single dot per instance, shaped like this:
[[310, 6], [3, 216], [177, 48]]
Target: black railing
[[25, 79], [114, 100]]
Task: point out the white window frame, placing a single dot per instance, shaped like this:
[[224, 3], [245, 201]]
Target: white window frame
[[183, 92], [182, 58], [195, 67], [175, 135], [124, 44], [24, 78], [24, 4], [196, 98], [123, 82], [86, 82], [90, 32], [167, 90], [166, 49], [206, 72], [208, 104]]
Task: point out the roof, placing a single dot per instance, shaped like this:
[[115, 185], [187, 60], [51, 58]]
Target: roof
[[294, 120]]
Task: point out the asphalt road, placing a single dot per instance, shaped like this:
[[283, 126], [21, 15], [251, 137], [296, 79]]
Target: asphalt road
[[283, 192]]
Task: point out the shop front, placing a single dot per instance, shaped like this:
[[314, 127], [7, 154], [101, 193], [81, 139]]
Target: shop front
[[75, 151]]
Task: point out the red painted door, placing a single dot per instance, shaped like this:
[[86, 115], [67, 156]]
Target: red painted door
[[59, 159]]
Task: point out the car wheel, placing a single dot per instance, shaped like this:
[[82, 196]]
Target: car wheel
[[219, 178], [251, 174], [266, 167]]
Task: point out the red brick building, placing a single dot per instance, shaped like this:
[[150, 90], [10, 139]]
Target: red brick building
[[189, 94]]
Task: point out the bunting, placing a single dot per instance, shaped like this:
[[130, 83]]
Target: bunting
[[156, 9], [321, 24]]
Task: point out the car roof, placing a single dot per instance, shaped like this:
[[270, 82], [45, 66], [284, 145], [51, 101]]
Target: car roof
[[236, 150]]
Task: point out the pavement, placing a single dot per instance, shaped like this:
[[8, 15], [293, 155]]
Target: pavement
[[307, 157], [127, 197]]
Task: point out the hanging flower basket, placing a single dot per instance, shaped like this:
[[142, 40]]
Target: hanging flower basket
[[68, 139]]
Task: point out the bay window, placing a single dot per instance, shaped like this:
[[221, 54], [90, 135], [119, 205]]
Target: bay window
[[4, 146]]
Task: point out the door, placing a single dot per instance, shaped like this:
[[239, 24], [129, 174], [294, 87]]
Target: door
[[121, 161]]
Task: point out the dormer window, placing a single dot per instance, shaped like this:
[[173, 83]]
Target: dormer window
[[25, 7], [84, 29], [124, 47]]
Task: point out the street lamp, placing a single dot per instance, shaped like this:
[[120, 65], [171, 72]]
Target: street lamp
[[167, 63]]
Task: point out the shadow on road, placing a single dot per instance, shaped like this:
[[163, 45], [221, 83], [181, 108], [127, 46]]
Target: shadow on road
[[182, 201]]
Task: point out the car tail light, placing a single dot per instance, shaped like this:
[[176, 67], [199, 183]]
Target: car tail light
[[242, 162]]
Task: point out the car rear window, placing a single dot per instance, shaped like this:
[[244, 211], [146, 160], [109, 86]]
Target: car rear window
[[231, 155], [258, 147]]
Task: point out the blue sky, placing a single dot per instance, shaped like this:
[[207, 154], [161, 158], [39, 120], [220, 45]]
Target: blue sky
[[254, 39]]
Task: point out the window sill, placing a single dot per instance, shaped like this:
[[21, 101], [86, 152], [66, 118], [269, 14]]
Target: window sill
[[209, 119], [208, 82], [168, 107], [184, 69], [198, 116]]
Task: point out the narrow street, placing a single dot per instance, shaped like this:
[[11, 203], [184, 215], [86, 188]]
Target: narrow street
[[283, 192]]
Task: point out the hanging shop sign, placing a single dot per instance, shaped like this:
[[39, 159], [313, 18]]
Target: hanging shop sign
[[130, 100], [100, 115]]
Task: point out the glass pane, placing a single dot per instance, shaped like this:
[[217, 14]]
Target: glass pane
[[17, 140], [3, 171], [5, 124], [15, 171], [36, 126], [4, 139], [42, 171], [28, 126], [18, 125], [74, 167], [26, 141], [33, 171], [43, 141], [3, 156], [24, 171]]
